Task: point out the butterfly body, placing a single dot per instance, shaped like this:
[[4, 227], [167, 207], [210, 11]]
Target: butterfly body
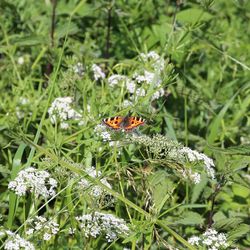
[[126, 123]]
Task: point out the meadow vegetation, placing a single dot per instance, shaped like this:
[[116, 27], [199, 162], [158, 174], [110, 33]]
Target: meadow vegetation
[[179, 181]]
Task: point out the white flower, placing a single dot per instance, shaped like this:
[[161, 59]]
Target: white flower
[[101, 131], [130, 85], [47, 228], [72, 230], [140, 92], [98, 73], [103, 224], [115, 79], [64, 125], [33, 180], [60, 110], [193, 155], [210, 238], [194, 177], [148, 77], [159, 93], [30, 231], [47, 236], [127, 103], [194, 240], [154, 59], [15, 242], [78, 69], [20, 60], [24, 100], [94, 190]]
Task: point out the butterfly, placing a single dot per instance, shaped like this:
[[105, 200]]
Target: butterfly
[[126, 123]]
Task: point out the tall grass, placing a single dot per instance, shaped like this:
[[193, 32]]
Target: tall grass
[[180, 181]]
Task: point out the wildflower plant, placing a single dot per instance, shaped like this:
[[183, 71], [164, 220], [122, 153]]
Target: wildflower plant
[[41, 226], [211, 240], [35, 181], [97, 224], [180, 66], [15, 241], [61, 112]]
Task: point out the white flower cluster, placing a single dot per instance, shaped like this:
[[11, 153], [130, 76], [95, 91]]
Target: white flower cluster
[[116, 79], [154, 59], [96, 224], [20, 60], [61, 111], [41, 225], [126, 103], [193, 155], [36, 181], [16, 242], [102, 132], [78, 69], [149, 78], [94, 190], [98, 73], [130, 86], [193, 176], [211, 239], [162, 147], [23, 109], [140, 84]]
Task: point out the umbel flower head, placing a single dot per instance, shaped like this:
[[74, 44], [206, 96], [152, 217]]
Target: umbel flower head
[[97, 71], [36, 181], [108, 225], [165, 149], [210, 240], [40, 224], [147, 79], [61, 111], [16, 242]]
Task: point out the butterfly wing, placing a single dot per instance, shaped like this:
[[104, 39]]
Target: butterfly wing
[[133, 122], [113, 122]]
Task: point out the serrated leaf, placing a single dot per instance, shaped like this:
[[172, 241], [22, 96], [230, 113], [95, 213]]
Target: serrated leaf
[[239, 180], [240, 191], [227, 223], [219, 216], [66, 29], [191, 218], [30, 40], [238, 232], [236, 150]]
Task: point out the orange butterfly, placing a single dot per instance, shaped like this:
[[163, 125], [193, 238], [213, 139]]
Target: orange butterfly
[[126, 123]]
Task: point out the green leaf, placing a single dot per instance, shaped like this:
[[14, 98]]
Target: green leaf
[[240, 191], [193, 15], [16, 166], [238, 232], [236, 150], [30, 40], [161, 188], [198, 188], [216, 123], [190, 218], [66, 29], [227, 223], [241, 180]]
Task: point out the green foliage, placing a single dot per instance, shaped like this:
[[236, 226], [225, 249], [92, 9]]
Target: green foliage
[[195, 93]]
